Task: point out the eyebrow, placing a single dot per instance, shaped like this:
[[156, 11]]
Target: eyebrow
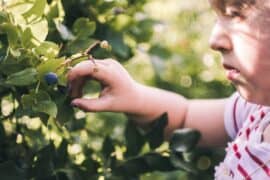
[[221, 5]]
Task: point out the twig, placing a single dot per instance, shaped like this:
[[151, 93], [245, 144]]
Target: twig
[[84, 54]]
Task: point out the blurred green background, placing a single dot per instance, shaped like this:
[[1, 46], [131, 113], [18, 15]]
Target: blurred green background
[[178, 56]]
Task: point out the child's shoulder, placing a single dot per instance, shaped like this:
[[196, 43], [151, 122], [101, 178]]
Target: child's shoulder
[[237, 111]]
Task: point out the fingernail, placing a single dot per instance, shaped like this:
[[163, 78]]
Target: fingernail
[[74, 104]]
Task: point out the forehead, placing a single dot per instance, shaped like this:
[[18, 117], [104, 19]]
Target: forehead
[[221, 5]]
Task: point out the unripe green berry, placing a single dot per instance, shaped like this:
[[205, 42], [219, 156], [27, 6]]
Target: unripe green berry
[[104, 44]]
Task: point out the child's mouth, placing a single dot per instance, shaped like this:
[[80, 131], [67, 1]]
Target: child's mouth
[[231, 72]]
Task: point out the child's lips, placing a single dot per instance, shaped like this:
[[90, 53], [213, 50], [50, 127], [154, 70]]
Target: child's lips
[[231, 72]]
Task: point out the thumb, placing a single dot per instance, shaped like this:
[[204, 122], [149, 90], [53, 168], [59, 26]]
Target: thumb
[[91, 105]]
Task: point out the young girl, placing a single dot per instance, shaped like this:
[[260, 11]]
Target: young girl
[[242, 35]]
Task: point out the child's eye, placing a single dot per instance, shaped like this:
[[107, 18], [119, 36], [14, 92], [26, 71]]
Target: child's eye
[[235, 14]]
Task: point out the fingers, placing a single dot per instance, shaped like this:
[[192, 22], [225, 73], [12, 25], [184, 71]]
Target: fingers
[[91, 105], [87, 69], [114, 79], [84, 71], [77, 85]]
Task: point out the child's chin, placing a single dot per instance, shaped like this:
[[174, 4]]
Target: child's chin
[[245, 94]]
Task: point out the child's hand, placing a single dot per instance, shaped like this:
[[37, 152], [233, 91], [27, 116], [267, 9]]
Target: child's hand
[[119, 91]]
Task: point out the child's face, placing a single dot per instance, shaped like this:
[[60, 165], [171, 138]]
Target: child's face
[[242, 35]]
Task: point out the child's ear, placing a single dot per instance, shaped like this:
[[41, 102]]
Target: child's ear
[[266, 134]]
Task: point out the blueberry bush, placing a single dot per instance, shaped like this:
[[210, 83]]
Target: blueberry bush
[[43, 137]]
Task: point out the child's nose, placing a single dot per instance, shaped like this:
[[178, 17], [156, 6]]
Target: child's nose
[[220, 39]]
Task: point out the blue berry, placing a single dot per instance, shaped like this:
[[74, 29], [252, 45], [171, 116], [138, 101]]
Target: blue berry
[[51, 78]]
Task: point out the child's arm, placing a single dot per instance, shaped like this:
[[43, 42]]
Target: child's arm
[[120, 93], [205, 115], [208, 117]]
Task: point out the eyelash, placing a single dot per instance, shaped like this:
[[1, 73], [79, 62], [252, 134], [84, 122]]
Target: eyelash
[[235, 14]]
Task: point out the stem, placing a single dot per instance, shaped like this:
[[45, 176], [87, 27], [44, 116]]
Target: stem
[[69, 60], [37, 88], [91, 47], [85, 54], [79, 57]]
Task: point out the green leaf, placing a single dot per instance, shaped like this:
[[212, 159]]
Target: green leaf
[[35, 33], [63, 30], [119, 47], [3, 17], [48, 66], [12, 32], [23, 78], [145, 163], [78, 45], [180, 164], [134, 139], [132, 167], [107, 147], [90, 165], [65, 112], [2, 134], [84, 28], [3, 46], [12, 66], [48, 49], [156, 135], [43, 166], [39, 102], [41, 95], [15, 52], [28, 101], [56, 10], [28, 40], [40, 29], [48, 107], [158, 162], [143, 30], [9, 171], [122, 22], [184, 140], [36, 11], [61, 154]]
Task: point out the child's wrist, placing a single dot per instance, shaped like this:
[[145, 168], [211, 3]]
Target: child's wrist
[[141, 113]]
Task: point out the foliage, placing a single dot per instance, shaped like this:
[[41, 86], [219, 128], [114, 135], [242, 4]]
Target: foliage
[[43, 137]]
